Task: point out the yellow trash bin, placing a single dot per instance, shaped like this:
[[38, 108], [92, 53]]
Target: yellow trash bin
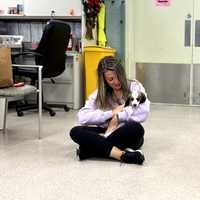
[[92, 56]]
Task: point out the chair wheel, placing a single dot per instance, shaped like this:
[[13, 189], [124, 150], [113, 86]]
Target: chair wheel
[[52, 113], [66, 108], [20, 113]]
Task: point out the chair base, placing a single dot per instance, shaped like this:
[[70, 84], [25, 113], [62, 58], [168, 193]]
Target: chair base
[[45, 106], [4, 110]]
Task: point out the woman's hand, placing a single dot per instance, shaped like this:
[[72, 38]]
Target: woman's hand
[[113, 123], [116, 110]]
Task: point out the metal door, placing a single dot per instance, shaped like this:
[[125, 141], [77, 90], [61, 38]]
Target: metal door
[[164, 48], [196, 53]]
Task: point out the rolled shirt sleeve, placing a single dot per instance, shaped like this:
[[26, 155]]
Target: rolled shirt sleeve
[[89, 115]]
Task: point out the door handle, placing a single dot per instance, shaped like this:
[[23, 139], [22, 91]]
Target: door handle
[[187, 41], [197, 33]]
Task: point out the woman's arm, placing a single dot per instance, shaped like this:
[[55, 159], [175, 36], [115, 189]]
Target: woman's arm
[[89, 115], [138, 114]]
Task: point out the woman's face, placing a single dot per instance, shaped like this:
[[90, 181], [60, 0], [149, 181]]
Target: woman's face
[[112, 80]]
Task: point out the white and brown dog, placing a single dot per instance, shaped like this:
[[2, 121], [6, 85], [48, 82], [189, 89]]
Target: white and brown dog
[[134, 99]]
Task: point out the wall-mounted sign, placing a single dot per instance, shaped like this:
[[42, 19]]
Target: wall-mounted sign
[[162, 2]]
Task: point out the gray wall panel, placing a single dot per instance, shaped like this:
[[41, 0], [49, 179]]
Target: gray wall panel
[[166, 83], [196, 88]]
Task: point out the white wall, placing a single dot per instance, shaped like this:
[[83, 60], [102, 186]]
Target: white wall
[[4, 4], [44, 7], [129, 40]]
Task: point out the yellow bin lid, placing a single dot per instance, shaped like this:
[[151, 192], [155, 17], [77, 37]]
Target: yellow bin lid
[[99, 49]]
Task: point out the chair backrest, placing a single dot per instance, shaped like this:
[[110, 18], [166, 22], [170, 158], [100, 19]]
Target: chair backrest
[[52, 47]]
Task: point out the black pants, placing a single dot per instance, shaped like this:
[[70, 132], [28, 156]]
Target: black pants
[[130, 135]]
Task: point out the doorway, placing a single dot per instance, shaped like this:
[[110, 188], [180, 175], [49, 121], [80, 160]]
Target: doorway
[[166, 53]]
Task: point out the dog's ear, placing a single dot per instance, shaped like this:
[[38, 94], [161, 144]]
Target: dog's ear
[[142, 97], [128, 101]]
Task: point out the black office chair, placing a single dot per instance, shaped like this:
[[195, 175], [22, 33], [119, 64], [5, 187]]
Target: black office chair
[[51, 54]]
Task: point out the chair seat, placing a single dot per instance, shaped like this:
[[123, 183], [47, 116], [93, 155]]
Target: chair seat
[[17, 91]]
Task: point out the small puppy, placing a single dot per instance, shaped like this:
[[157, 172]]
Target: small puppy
[[134, 99]]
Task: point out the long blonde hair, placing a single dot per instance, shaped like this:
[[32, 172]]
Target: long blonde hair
[[104, 90]]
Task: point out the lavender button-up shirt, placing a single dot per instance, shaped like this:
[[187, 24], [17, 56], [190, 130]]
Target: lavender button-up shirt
[[89, 115]]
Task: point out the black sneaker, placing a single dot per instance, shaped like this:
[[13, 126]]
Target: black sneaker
[[140, 143], [135, 157], [82, 154]]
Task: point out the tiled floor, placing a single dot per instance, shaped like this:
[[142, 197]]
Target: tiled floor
[[47, 169]]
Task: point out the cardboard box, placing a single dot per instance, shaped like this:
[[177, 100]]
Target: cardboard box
[[6, 75]]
